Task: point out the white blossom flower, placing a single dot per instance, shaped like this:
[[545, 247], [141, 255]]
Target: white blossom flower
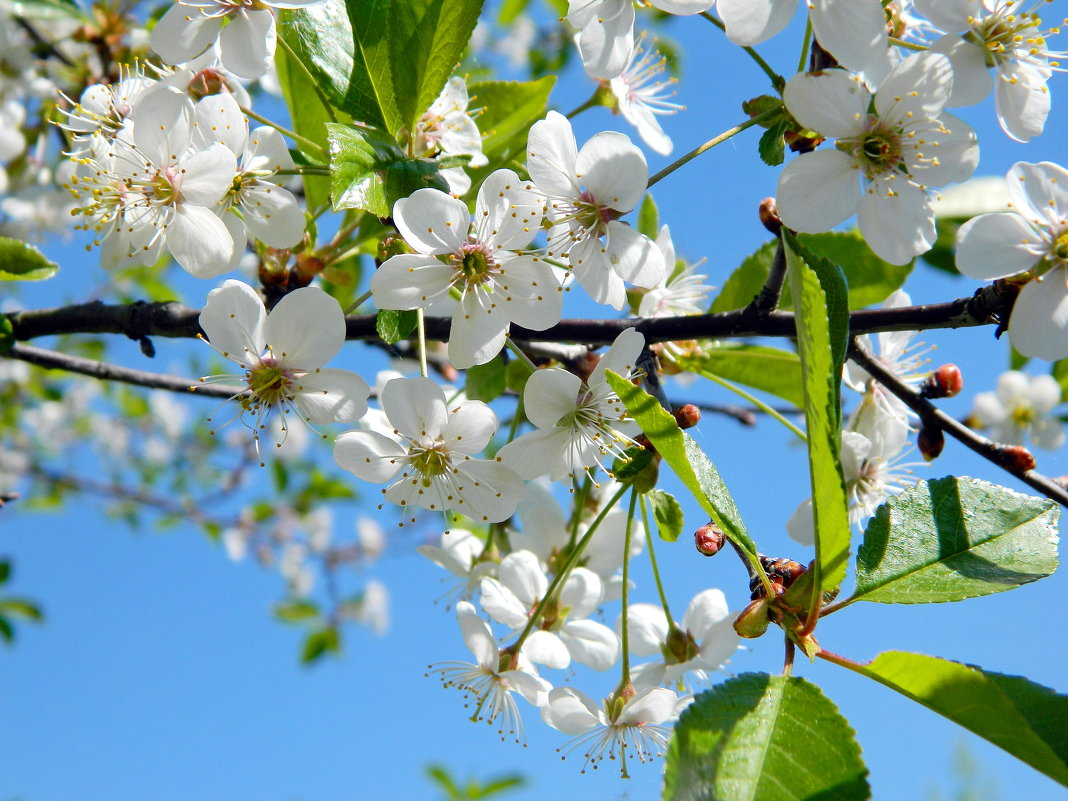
[[587, 192], [244, 31], [283, 353], [623, 727], [431, 466], [372, 607], [489, 683], [575, 420], [681, 292], [107, 107], [641, 97], [1032, 237], [998, 35], [896, 154], [496, 285], [459, 553], [606, 34], [1021, 408], [703, 643], [446, 129], [564, 631]]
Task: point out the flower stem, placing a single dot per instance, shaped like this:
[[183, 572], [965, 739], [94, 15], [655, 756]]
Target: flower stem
[[594, 100], [305, 169], [907, 45], [624, 641], [358, 302], [519, 354], [422, 342], [711, 143], [652, 560], [806, 42], [311, 78], [768, 410], [563, 572], [788, 659], [296, 137], [776, 79]]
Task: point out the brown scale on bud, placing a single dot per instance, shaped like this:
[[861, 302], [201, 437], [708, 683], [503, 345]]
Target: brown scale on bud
[[781, 572], [802, 141], [687, 416], [769, 215], [308, 266], [207, 82], [1016, 458], [945, 382], [709, 539], [930, 441]]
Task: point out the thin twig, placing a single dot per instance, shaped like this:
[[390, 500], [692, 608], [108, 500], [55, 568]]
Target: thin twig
[[771, 292], [932, 416]]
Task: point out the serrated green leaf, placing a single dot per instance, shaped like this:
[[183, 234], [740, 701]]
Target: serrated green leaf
[[649, 221], [319, 643], [822, 373], [508, 110], [767, 369], [370, 171], [685, 457], [7, 335], [485, 382], [393, 326], [870, 279], [764, 738], [668, 514], [1025, 719], [954, 538], [20, 261], [772, 147], [296, 611]]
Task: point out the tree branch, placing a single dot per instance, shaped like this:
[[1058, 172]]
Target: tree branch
[[989, 305], [933, 416]]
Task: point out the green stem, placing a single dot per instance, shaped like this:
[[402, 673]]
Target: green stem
[[907, 45], [805, 44], [358, 302], [593, 101], [624, 640], [311, 78], [422, 342], [563, 572], [296, 137], [580, 506], [776, 79], [519, 353], [306, 169], [656, 570], [516, 417], [756, 402], [711, 143]]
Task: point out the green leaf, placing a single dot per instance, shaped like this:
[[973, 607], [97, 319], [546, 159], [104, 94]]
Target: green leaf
[[296, 611], [822, 373], [20, 607], [393, 326], [767, 369], [5, 571], [634, 460], [834, 284], [370, 171], [510, 10], [487, 381], [1025, 719], [7, 632], [685, 457], [649, 221], [319, 643], [20, 261], [668, 514], [764, 738], [516, 374], [771, 146], [46, 9], [870, 279], [309, 117], [508, 110], [1059, 371], [746, 281], [954, 538], [7, 335], [943, 255]]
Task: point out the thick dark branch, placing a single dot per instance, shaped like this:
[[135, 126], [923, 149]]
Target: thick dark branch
[[933, 416], [110, 372], [139, 320]]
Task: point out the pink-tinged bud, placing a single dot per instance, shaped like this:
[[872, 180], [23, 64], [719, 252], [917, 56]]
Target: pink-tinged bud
[[709, 539], [687, 416], [308, 267], [206, 82], [1017, 458], [930, 441], [753, 621], [945, 382], [769, 215]]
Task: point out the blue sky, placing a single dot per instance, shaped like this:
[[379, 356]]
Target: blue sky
[[159, 674]]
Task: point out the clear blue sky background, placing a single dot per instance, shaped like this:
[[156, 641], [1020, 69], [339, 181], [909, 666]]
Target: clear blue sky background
[[160, 676]]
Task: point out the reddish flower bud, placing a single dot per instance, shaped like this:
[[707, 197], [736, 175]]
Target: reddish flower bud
[[687, 416], [945, 382], [709, 539], [206, 82], [1017, 458], [769, 215], [930, 441]]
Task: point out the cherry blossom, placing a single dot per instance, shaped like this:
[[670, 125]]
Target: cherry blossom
[[641, 97], [283, 353], [459, 552], [446, 129], [1031, 238], [496, 285], [681, 292], [1021, 408], [587, 192], [895, 154], [429, 463]]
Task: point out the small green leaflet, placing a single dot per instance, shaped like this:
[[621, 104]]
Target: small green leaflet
[[764, 738], [1023, 718], [771, 146], [649, 221], [319, 643], [757, 366], [508, 109], [954, 538], [393, 326], [20, 261], [668, 514], [486, 381]]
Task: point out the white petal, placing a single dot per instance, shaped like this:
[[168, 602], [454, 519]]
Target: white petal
[[508, 212], [613, 169], [958, 154], [199, 241], [620, 357], [233, 320], [432, 222], [634, 256], [470, 426], [801, 525], [551, 155], [607, 42], [183, 33], [594, 271], [683, 7], [410, 281], [306, 329], [369, 455], [415, 406], [1040, 192], [501, 604], [817, 191], [247, 44], [537, 454], [1039, 323], [719, 644], [949, 15], [918, 87], [972, 81], [545, 648], [477, 636], [853, 31], [647, 629], [533, 297], [329, 395], [705, 610], [490, 490], [207, 175], [654, 705], [1023, 104], [831, 102], [477, 332], [582, 592], [996, 246], [750, 22], [897, 228], [590, 643], [550, 395], [570, 711], [218, 119], [272, 215]]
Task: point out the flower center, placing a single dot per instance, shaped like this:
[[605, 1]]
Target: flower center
[[1002, 35], [1023, 416], [878, 149], [268, 382], [474, 265], [592, 215], [430, 461], [165, 185], [1060, 247]]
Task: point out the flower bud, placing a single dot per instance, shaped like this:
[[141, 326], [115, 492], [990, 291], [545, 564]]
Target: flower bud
[[769, 215], [206, 82], [308, 266], [753, 621], [391, 245], [1016, 458], [930, 441], [945, 382], [709, 539], [687, 416]]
